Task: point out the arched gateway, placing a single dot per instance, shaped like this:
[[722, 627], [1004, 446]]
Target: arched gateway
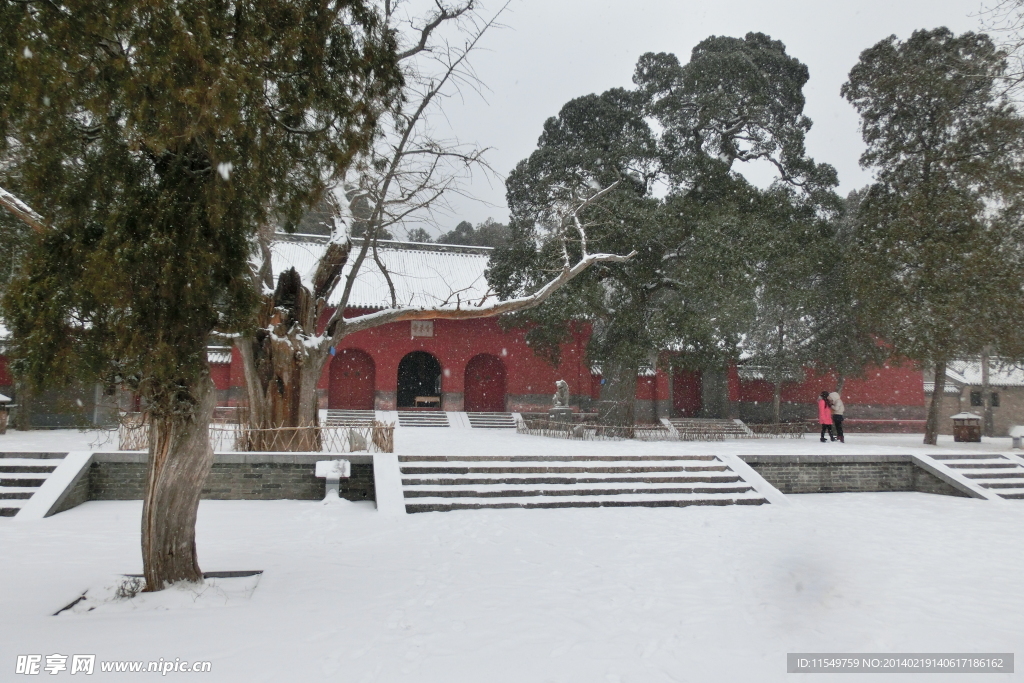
[[419, 381], [352, 383], [485, 384]]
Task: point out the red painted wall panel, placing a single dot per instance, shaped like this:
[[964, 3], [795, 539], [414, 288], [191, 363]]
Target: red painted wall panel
[[530, 380], [221, 375]]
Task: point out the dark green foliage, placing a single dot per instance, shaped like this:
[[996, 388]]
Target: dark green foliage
[[155, 137], [490, 233], [418, 235], [938, 260], [706, 237]]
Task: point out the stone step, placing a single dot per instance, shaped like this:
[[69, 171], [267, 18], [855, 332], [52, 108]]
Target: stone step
[[9, 511], [993, 475], [33, 455], [27, 473], [415, 418], [491, 420], [350, 418], [1017, 495], [29, 464], [546, 469], [1002, 483], [1005, 464], [636, 500], [966, 456], [554, 458], [511, 491], [26, 481], [6, 493], [725, 478]]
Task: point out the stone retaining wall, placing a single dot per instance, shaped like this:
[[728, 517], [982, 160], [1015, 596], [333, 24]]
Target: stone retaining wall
[[848, 474], [234, 476]]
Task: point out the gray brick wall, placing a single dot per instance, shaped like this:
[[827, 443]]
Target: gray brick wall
[[122, 476], [847, 474], [78, 494]]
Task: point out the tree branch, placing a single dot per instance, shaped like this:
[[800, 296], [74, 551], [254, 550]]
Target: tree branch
[[443, 14], [22, 211]]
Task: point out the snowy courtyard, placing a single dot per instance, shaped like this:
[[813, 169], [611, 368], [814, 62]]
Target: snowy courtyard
[[609, 594]]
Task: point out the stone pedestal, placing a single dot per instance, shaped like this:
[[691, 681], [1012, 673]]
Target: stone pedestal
[[560, 415]]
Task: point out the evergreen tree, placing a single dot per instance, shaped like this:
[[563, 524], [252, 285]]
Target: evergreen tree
[[490, 233], [698, 225], [418, 235], [154, 138], [937, 263]]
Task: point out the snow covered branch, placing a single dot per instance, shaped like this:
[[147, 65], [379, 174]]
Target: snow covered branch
[[364, 322], [22, 211]]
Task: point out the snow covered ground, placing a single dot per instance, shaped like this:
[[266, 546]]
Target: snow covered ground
[[608, 594], [442, 441]]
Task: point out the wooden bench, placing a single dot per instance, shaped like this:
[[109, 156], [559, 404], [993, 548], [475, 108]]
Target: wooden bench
[[427, 401]]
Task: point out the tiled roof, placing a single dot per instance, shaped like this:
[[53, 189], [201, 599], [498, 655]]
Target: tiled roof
[[423, 274], [929, 387], [218, 355], [968, 372]]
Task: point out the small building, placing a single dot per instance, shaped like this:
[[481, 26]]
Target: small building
[[963, 393]]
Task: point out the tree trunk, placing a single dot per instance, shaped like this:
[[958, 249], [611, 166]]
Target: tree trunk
[[617, 406], [840, 383], [988, 428], [23, 395], [931, 427], [281, 368], [180, 458], [281, 375], [777, 401]]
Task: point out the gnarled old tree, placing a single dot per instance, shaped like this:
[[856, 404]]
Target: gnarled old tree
[[404, 178], [151, 137], [676, 143]]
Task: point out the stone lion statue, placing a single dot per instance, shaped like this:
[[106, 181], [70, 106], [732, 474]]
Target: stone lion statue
[[561, 397]]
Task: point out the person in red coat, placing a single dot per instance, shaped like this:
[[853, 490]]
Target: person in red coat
[[825, 416]]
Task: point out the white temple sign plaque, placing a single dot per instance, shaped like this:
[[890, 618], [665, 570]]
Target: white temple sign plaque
[[422, 328]]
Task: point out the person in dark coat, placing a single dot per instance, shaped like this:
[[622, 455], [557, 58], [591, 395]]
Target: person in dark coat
[[837, 414], [825, 416]]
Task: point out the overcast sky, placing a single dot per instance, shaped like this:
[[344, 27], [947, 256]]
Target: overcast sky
[[552, 51]]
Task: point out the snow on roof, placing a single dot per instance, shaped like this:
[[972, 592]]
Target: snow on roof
[[5, 399], [761, 372], [642, 371], [965, 416], [218, 355], [968, 372], [423, 274], [948, 388]]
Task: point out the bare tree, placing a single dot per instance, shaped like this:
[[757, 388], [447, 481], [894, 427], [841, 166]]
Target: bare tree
[[1004, 20], [408, 176]]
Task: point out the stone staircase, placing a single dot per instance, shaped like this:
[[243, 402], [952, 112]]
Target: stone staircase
[[21, 475], [491, 420], [350, 418], [422, 418], [697, 428], [439, 483], [1002, 475]]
